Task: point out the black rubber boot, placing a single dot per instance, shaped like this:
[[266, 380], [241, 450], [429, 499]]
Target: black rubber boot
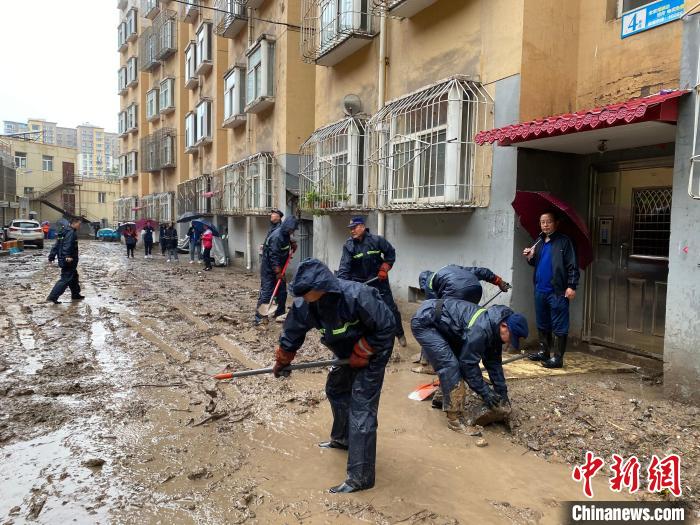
[[557, 360], [346, 488], [545, 343], [333, 444]]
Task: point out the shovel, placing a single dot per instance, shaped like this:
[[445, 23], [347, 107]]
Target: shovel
[[266, 309], [423, 392], [300, 366]]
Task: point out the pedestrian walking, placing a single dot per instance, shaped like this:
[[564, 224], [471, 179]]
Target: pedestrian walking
[[130, 241], [161, 238], [275, 253], [354, 323], [366, 256], [456, 335], [171, 242], [67, 254], [459, 282], [57, 245], [556, 278], [207, 242], [195, 246], [147, 233]]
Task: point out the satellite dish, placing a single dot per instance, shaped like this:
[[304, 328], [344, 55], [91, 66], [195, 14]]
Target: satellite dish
[[352, 105]]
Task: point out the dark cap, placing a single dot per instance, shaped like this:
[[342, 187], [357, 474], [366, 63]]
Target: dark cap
[[355, 221], [517, 324], [277, 211]]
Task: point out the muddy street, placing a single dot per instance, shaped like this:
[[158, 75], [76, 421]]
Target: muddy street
[[108, 414]]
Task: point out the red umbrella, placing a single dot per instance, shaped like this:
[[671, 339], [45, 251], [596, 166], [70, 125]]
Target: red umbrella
[[529, 205]]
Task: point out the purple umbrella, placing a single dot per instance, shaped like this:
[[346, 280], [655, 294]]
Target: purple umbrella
[[529, 205]]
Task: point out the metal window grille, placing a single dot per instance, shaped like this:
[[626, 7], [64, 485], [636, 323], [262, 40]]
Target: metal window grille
[[150, 8], [186, 196], [305, 236], [422, 152], [165, 207], [332, 170], [248, 186], [157, 150], [230, 17], [327, 24], [165, 34], [125, 208], [147, 49], [651, 214], [188, 11]]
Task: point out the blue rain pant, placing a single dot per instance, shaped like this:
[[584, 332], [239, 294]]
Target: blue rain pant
[[267, 286], [385, 291], [354, 397]]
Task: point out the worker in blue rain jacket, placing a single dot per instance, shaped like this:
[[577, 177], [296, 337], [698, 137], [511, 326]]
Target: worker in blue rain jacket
[[355, 324], [459, 282], [276, 250], [456, 336], [367, 256]]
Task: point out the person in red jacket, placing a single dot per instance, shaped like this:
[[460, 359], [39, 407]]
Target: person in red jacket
[[207, 242]]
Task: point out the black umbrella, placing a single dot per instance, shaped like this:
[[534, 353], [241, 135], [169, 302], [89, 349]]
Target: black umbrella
[[189, 216], [125, 225]]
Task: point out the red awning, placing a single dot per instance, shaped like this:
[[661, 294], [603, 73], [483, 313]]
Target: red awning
[[662, 107]]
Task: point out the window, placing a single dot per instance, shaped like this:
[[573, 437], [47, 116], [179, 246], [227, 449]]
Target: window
[[191, 79], [27, 191], [46, 163], [340, 18], [259, 183], [131, 117], [131, 22], [167, 95], [101, 197], [131, 71], [20, 159], [121, 34], [203, 127], [631, 5], [166, 153], [131, 163], [423, 146], [651, 213], [234, 99], [190, 130], [152, 104], [122, 79], [259, 81], [203, 58]]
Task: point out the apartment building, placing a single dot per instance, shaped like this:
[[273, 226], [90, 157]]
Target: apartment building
[[217, 135], [46, 176], [431, 114], [9, 201]]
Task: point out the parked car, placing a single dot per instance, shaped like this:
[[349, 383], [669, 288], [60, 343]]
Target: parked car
[[108, 234], [27, 230]]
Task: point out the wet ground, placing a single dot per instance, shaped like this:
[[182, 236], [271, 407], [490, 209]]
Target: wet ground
[[108, 414]]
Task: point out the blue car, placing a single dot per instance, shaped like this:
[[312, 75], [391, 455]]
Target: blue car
[[108, 234]]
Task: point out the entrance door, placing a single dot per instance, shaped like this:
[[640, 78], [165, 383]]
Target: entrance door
[[630, 270]]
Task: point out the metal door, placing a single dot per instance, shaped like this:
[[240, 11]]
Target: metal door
[[630, 270]]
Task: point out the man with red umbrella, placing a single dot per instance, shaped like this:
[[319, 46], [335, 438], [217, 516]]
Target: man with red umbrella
[[556, 278]]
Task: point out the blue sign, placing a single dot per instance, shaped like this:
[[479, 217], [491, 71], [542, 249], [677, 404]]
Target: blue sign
[[650, 16]]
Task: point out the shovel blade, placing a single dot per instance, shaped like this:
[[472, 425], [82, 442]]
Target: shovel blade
[[266, 310], [423, 392]]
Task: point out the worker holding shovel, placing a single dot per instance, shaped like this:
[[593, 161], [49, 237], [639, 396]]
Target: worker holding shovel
[[355, 324], [277, 250], [456, 335]]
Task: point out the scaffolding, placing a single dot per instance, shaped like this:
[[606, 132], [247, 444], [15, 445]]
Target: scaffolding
[[247, 186], [328, 25], [422, 153], [332, 175]]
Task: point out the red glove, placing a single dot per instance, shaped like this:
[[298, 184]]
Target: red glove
[[504, 286], [361, 353], [383, 273], [282, 360]]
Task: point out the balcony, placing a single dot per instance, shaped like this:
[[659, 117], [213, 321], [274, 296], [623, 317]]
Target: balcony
[[189, 11], [332, 31], [228, 24], [403, 8], [192, 82], [157, 150], [147, 50], [203, 67], [332, 175], [150, 8], [165, 33]]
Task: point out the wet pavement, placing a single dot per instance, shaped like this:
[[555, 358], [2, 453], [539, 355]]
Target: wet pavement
[[108, 414]]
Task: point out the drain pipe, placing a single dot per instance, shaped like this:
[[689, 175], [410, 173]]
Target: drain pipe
[[249, 219], [381, 96]]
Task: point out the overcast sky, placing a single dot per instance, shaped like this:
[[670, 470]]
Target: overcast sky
[[59, 61]]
